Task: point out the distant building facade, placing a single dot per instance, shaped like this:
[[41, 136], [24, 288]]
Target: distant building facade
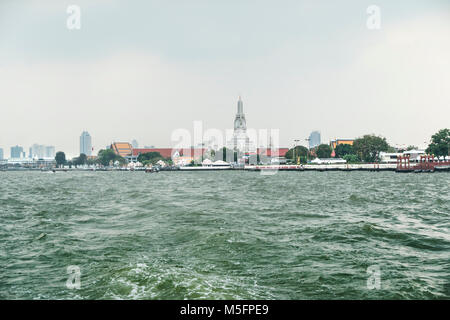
[[314, 139], [38, 151], [86, 143], [50, 152], [335, 143], [17, 152], [135, 144], [1, 154]]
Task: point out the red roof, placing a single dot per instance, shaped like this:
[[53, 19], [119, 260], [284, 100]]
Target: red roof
[[168, 152], [268, 152]]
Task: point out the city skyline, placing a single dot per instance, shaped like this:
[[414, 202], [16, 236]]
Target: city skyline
[[314, 66]]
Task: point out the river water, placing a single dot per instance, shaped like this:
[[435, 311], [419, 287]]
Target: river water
[[224, 235]]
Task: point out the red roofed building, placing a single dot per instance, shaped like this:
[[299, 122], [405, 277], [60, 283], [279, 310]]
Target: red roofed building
[[272, 152], [122, 149], [170, 152]]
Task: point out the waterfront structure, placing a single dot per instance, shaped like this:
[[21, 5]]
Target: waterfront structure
[[17, 152], [28, 163], [412, 155], [240, 140], [314, 139], [86, 143]]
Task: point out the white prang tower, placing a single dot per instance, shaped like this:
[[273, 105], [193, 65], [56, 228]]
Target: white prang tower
[[240, 140]]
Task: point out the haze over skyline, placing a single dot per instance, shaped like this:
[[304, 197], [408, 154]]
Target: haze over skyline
[[142, 70]]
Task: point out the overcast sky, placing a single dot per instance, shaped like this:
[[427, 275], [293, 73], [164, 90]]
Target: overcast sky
[[141, 69]]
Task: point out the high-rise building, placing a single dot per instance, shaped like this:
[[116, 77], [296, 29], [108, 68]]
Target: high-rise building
[[16, 152], [86, 143], [1, 154], [50, 152], [39, 151], [314, 139], [135, 144]]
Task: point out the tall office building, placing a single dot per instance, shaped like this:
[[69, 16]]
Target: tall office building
[[16, 152], [37, 151], [135, 144], [50, 152], [86, 143], [1, 154], [314, 139]]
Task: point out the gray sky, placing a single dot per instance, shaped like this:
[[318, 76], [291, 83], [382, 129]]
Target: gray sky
[[141, 69]]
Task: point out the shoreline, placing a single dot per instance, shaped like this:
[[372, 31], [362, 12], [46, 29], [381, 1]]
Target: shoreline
[[253, 168]]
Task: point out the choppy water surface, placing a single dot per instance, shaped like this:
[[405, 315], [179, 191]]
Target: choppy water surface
[[217, 235]]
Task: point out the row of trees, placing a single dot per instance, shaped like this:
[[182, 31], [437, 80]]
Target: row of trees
[[105, 157], [366, 148]]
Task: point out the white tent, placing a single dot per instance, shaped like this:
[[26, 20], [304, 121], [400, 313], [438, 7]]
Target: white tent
[[220, 163], [316, 160], [207, 163], [328, 161]]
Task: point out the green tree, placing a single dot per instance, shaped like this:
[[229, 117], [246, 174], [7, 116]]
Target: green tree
[[300, 151], [60, 158], [81, 160], [440, 143], [368, 147], [323, 151], [351, 158], [91, 161], [105, 157], [150, 157], [342, 150]]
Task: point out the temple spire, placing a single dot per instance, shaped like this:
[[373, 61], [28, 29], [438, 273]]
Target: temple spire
[[240, 106]]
